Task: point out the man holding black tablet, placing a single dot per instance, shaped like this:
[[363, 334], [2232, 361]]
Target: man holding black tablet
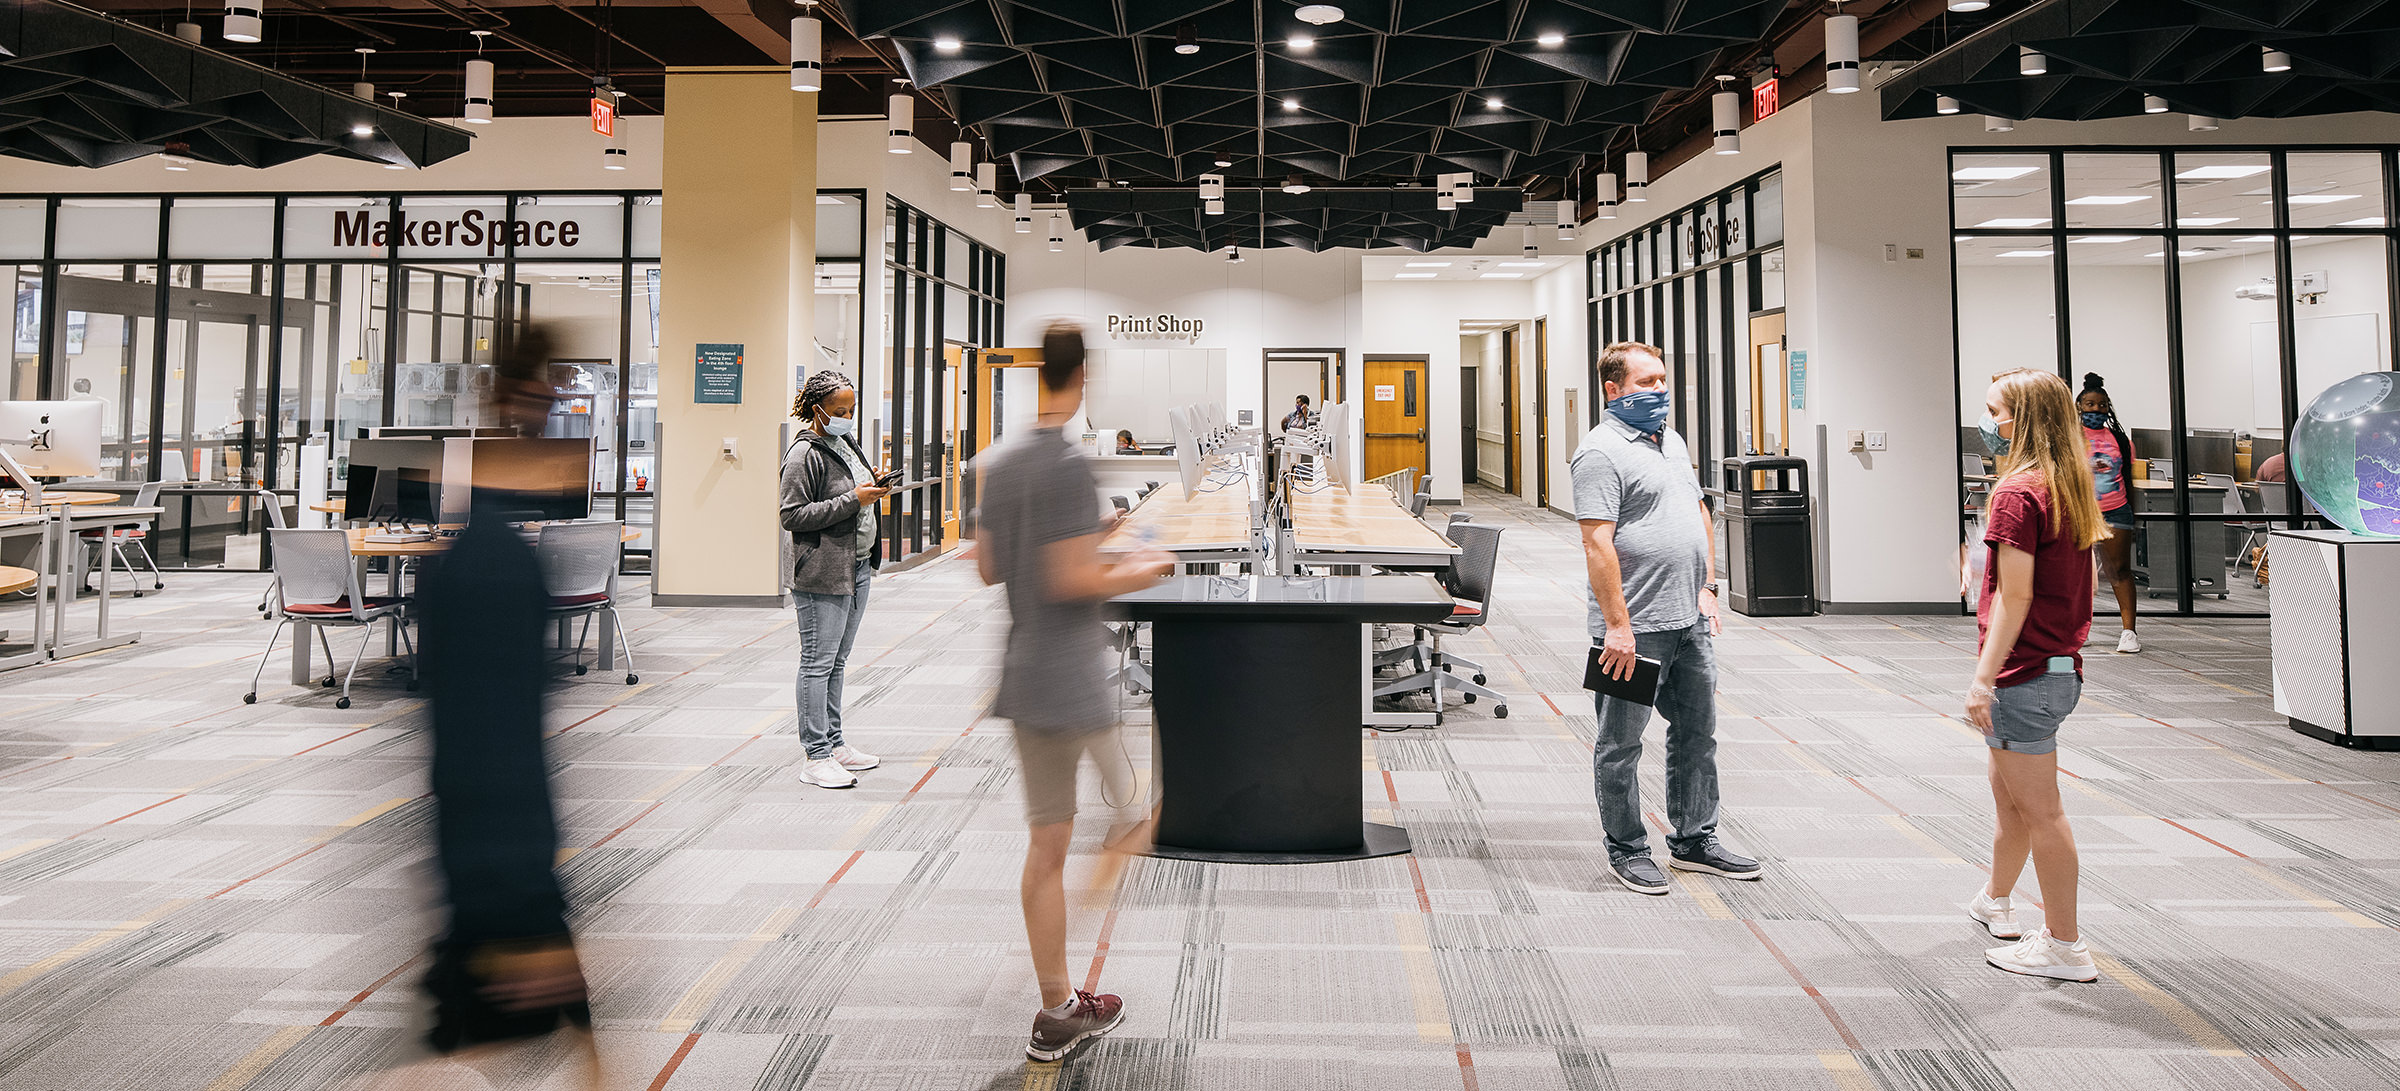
[[1650, 549]]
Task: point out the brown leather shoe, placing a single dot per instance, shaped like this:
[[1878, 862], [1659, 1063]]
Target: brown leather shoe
[[1055, 1036]]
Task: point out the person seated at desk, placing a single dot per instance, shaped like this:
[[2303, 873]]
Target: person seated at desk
[[2273, 471], [1297, 419], [1125, 443]]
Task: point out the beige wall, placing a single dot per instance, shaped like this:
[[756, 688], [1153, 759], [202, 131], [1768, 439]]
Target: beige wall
[[740, 180]]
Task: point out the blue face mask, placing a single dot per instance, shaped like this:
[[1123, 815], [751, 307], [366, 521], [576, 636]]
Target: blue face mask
[[1993, 441], [1644, 411], [2095, 420], [840, 426]]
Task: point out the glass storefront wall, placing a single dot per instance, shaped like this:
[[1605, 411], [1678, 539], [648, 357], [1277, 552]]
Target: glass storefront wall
[[944, 296], [2215, 291], [282, 322], [1693, 283]]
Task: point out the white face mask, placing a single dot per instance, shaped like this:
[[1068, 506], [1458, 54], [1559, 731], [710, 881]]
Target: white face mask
[[839, 426]]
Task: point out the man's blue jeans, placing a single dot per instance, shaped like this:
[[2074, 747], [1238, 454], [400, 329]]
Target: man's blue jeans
[[828, 626], [1687, 698]]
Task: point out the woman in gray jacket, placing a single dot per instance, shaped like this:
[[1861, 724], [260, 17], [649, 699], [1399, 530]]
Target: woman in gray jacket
[[828, 502]]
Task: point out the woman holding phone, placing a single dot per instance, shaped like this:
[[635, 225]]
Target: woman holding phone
[[828, 509], [2035, 612]]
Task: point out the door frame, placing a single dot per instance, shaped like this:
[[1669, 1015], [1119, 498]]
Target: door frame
[[1760, 380], [1330, 380], [1513, 478], [1541, 410], [1425, 405]]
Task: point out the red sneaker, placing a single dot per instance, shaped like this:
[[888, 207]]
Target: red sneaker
[[1055, 1036]]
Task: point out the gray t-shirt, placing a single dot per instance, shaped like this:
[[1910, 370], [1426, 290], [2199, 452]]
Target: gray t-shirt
[[1648, 490], [860, 475], [1038, 489]]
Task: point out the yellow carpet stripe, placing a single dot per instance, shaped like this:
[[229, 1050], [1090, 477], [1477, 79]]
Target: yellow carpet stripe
[[2202, 1033], [9, 983], [249, 1067], [1424, 981], [1846, 1073], [695, 1001]]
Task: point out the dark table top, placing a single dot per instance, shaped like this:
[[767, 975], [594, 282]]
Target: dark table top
[[1382, 599]]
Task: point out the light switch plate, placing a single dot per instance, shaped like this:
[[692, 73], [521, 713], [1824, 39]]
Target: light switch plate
[[1879, 441], [1858, 440]]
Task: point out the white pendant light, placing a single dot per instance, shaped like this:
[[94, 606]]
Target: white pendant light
[[2271, 59], [1214, 206], [1533, 244], [1841, 54], [2030, 62], [986, 177], [173, 156], [1994, 123], [363, 89], [1295, 185], [242, 23], [1945, 105], [1443, 199], [1024, 214], [1212, 194], [1969, 5], [1057, 241], [1725, 110], [808, 53], [1233, 254], [962, 166], [1462, 187], [190, 32], [1637, 177], [479, 92], [1604, 193], [2202, 123], [613, 156], [2152, 104], [1566, 221], [903, 111]]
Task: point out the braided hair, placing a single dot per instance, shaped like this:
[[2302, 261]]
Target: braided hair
[[2094, 384], [813, 393]]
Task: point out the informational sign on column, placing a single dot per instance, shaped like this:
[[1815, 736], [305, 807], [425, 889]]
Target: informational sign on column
[[1799, 379], [717, 375]]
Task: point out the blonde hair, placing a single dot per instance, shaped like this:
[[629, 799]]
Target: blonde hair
[[2049, 444]]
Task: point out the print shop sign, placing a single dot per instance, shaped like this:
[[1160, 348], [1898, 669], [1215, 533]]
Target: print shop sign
[[1153, 327], [472, 229]]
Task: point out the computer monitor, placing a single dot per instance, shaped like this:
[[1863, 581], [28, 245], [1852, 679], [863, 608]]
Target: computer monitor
[[2151, 443], [2210, 451], [394, 479], [1338, 440], [522, 480], [443, 432], [53, 439]]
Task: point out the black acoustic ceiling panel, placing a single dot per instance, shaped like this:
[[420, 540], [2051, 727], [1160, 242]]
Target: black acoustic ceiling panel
[[1319, 219], [1395, 90], [78, 88], [2201, 56]]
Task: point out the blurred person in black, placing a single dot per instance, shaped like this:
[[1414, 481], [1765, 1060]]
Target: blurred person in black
[[506, 967], [1038, 529]]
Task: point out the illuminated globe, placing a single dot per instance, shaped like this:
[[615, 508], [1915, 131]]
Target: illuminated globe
[[2345, 454]]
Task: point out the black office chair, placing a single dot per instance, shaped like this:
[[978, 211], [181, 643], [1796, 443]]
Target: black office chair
[[1470, 581], [1458, 517]]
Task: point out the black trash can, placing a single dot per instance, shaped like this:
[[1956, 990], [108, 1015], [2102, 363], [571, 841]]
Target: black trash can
[[1769, 546]]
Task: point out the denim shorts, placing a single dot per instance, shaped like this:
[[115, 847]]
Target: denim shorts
[[2025, 716], [2119, 518]]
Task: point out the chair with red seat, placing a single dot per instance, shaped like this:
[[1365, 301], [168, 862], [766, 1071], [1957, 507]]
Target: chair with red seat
[[579, 569], [316, 587], [1468, 580], [137, 535]]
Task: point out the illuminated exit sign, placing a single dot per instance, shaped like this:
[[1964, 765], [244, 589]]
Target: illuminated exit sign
[[604, 116], [1766, 97]]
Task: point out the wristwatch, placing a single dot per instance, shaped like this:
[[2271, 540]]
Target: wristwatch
[[1710, 587]]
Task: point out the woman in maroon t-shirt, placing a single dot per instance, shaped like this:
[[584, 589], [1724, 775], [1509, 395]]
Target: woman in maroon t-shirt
[[2035, 612]]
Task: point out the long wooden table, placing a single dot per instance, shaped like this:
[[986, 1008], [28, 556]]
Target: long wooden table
[[1216, 523], [1364, 526]]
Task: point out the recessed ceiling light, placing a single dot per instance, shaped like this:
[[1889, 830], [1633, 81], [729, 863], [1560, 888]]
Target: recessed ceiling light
[[2107, 199], [1550, 38], [2025, 253], [1991, 174], [362, 129], [1962, 238], [2322, 198], [1300, 41], [946, 44], [2016, 221], [1223, 161], [2256, 238], [2216, 173], [1491, 104], [1524, 264], [2103, 238], [2178, 253], [2370, 221], [2203, 221], [1290, 105], [1502, 276], [1413, 276], [1428, 265]]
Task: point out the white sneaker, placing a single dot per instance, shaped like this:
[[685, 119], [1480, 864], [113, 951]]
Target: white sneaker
[[2039, 955], [1996, 914], [855, 759], [827, 773], [2128, 644]]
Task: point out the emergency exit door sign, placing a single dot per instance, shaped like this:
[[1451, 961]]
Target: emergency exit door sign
[[604, 116]]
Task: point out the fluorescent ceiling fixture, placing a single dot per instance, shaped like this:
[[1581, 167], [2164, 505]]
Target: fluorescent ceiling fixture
[[1962, 238], [1502, 276], [2104, 238], [2016, 221], [2256, 238], [364, 129], [2217, 172], [1992, 174], [1524, 264], [1291, 104], [2105, 199], [2322, 198], [1428, 265], [2203, 221], [1550, 38], [1491, 104], [2178, 253], [2370, 221], [1413, 276], [2025, 253], [1300, 41], [946, 44]]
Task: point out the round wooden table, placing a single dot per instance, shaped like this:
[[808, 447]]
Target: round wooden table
[[51, 498], [13, 579]]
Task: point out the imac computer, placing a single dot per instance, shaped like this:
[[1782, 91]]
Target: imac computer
[[1187, 448], [52, 439], [519, 480], [394, 479]]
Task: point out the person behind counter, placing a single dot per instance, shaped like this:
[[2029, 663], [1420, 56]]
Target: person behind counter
[[1297, 419], [828, 509], [1125, 443]]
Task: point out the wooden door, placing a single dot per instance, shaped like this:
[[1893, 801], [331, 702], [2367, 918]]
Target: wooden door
[[1541, 411], [1770, 402], [957, 375], [1512, 414], [1396, 416]]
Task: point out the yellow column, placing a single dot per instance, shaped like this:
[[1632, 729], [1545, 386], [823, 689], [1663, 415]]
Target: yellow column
[[738, 247]]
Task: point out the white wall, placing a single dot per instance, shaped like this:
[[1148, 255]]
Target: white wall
[[1560, 296], [1491, 407]]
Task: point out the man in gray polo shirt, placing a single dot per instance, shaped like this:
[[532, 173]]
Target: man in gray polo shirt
[[1650, 548]]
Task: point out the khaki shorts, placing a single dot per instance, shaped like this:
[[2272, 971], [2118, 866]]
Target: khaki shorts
[[1046, 762]]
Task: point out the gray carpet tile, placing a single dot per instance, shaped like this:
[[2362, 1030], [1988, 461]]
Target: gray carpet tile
[[198, 893]]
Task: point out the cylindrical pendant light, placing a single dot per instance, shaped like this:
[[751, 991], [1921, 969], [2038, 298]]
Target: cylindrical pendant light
[[1604, 194], [1443, 201], [2202, 123], [903, 110], [1024, 214], [1057, 241], [1533, 243], [1725, 109], [1462, 187], [363, 89], [1969, 5], [613, 156], [808, 53], [2152, 104], [1233, 254], [986, 176], [479, 92], [1637, 177], [1841, 54], [242, 23], [1566, 221], [190, 32], [1994, 123], [1944, 105], [1214, 206], [2030, 62], [962, 166], [1212, 187], [2271, 59]]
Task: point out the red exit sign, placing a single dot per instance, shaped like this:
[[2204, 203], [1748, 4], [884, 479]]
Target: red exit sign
[[604, 116], [1766, 97]]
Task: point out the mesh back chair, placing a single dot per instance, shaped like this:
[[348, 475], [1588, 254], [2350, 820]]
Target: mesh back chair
[[1469, 580], [2273, 502], [1121, 503], [316, 587], [271, 506], [579, 570], [1458, 517], [137, 535], [1422, 497]]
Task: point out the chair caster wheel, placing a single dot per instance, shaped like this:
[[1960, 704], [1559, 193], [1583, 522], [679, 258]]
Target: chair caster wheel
[[329, 681], [158, 587], [342, 703], [1468, 697], [1479, 679], [1445, 668], [580, 669], [250, 698], [633, 679], [137, 594], [1500, 712]]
